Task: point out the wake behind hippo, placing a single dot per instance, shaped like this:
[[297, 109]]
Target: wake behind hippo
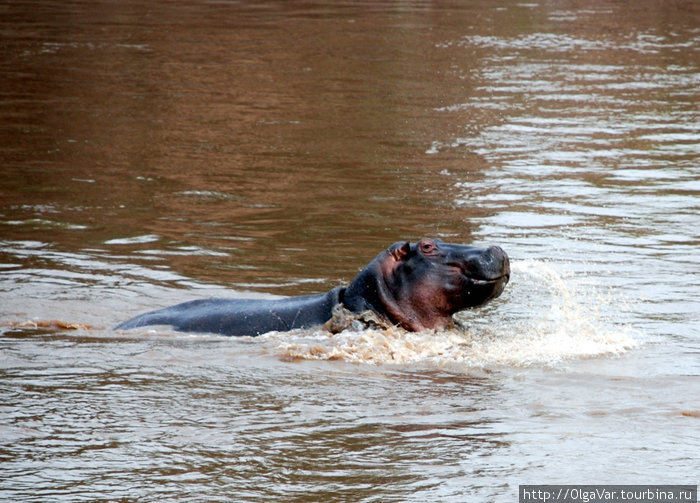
[[416, 286]]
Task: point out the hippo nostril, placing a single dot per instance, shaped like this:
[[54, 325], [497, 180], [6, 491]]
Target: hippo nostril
[[497, 251]]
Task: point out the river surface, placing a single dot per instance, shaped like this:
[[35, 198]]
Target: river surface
[[157, 152]]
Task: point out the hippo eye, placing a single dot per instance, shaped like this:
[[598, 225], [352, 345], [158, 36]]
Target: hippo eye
[[427, 247]]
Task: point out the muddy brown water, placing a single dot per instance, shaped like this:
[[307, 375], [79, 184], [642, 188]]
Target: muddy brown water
[[156, 152]]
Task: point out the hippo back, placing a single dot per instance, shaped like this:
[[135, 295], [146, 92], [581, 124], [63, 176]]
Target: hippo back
[[242, 316]]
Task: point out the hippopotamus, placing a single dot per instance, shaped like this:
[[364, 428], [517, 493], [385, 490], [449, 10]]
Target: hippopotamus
[[416, 286]]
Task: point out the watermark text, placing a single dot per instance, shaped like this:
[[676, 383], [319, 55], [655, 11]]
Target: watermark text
[[607, 493]]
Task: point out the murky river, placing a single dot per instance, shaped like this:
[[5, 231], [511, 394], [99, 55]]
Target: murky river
[[156, 152]]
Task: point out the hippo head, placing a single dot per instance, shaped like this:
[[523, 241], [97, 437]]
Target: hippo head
[[421, 285]]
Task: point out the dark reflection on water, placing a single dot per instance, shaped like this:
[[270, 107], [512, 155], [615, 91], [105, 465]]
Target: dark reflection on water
[[156, 152]]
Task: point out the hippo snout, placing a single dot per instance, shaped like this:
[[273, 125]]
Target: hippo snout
[[489, 264], [500, 264]]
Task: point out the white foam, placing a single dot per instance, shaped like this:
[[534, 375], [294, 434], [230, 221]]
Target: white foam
[[546, 317]]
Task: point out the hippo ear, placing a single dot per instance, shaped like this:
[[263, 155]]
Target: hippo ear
[[399, 250]]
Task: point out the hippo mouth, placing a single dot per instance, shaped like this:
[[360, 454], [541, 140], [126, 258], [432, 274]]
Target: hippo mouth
[[478, 289], [483, 282], [480, 280]]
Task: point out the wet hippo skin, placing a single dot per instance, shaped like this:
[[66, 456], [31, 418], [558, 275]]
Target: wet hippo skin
[[416, 286]]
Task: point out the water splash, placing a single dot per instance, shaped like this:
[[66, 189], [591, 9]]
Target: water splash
[[546, 317], [552, 317]]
